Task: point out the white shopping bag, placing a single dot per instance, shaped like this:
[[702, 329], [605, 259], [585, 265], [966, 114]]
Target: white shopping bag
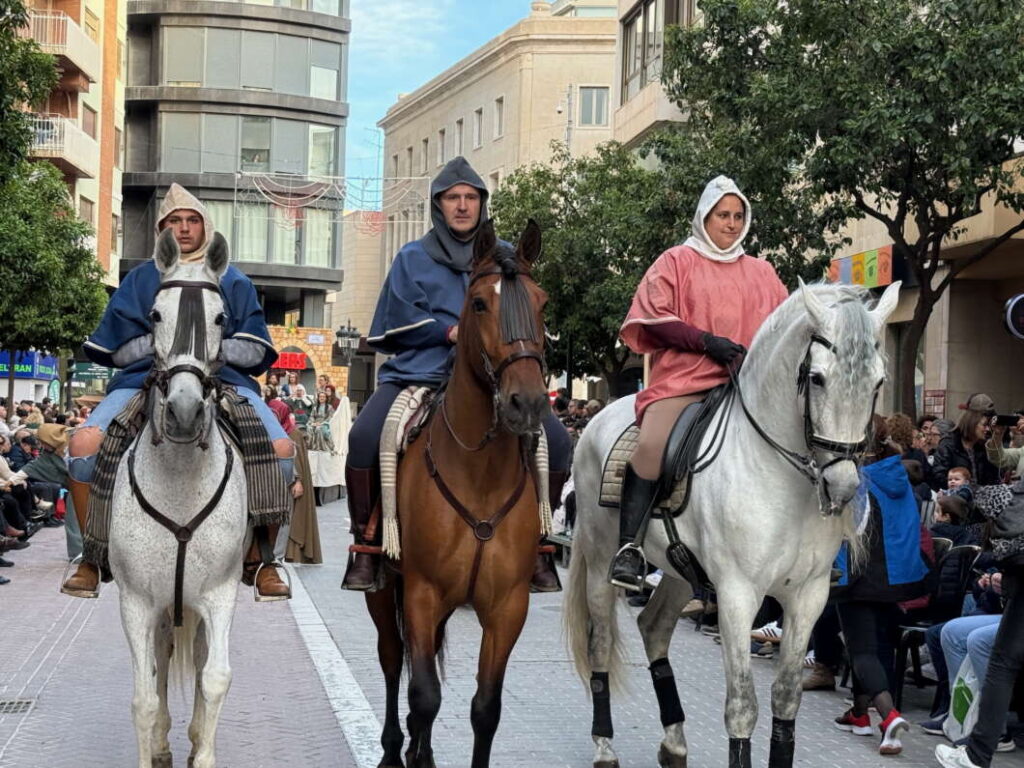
[[963, 709]]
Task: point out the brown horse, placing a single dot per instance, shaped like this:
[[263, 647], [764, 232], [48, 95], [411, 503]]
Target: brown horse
[[468, 503]]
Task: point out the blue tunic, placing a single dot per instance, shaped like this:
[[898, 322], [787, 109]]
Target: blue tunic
[[419, 302], [127, 317]]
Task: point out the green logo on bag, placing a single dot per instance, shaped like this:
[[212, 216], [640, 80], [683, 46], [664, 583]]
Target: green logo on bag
[[963, 697]]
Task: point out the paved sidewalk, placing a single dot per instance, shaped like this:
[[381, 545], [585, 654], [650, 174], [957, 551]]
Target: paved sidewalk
[[69, 660]]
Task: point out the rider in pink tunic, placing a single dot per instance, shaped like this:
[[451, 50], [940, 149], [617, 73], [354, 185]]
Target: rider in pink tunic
[[695, 311]]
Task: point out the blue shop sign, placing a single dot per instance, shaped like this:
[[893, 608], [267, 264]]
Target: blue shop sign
[[29, 365]]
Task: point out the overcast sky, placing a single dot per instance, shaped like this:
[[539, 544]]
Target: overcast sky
[[397, 46]]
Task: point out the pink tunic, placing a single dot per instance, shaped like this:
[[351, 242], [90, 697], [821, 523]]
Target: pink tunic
[[729, 299]]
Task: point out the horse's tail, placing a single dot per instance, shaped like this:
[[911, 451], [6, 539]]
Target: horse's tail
[[182, 672], [577, 622]]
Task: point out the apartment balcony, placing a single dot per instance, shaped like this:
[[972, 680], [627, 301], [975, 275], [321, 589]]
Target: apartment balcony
[[78, 55], [59, 140]]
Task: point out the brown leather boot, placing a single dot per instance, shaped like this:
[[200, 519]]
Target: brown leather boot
[[269, 584], [545, 577], [85, 581], [362, 487], [821, 678]]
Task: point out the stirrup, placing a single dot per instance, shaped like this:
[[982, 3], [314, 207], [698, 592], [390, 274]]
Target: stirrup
[[271, 598], [74, 563], [638, 585]]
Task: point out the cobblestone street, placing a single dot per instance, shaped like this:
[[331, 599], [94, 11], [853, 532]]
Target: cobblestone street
[[307, 690]]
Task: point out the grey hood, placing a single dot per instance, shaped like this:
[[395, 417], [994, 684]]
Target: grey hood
[[440, 242]]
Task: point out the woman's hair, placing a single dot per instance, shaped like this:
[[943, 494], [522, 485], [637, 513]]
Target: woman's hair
[[881, 446], [273, 377], [334, 390], [269, 393], [322, 394], [901, 430], [914, 471], [296, 375], [955, 507], [968, 424]]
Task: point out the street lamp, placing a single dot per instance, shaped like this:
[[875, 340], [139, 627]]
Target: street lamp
[[347, 343]]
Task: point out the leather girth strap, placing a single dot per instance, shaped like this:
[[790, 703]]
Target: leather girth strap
[[482, 529], [183, 533]]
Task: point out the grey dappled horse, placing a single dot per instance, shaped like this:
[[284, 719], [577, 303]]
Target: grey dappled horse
[[754, 521], [179, 479]]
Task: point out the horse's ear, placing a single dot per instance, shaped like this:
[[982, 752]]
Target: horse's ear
[[529, 242], [486, 242], [886, 305], [167, 251], [815, 308], [217, 256]]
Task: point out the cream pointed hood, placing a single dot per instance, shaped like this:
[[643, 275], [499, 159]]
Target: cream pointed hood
[[716, 189], [178, 198]]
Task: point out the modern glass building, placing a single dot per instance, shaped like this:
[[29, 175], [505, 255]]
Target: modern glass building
[[220, 91]]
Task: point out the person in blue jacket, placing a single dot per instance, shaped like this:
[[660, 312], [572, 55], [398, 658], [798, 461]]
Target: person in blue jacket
[[416, 322], [124, 340]]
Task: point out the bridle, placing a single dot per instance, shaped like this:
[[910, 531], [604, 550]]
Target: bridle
[[160, 377], [494, 375], [805, 463]]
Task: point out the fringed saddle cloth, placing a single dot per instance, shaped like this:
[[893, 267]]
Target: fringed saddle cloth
[[408, 415], [615, 468]]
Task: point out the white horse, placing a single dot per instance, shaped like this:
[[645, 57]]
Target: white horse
[[174, 474], [754, 521]]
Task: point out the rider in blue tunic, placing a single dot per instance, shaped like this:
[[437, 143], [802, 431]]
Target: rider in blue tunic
[[124, 340], [416, 322]]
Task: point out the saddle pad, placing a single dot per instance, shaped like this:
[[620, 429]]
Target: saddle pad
[[615, 470]]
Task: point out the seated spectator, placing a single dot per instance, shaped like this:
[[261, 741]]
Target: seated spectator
[[23, 450], [922, 491], [958, 483], [965, 446], [950, 520]]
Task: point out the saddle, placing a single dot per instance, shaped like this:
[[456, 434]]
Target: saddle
[[683, 459]]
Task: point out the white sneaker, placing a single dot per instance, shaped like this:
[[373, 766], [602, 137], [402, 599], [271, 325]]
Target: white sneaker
[[653, 579], [954, 757], [892, 728], [769, 633]]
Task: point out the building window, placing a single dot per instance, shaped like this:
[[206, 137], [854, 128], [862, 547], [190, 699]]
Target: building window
[[593, 106], [460, 137], [408, 160], [643, 42], [286, 234], [499, 117], [92, 25], [321, 150], [89, 120], [222, 214], [442, 145], [255, 153], [324, 6], [319, 238], [323, 83], [494, 181], [120, 61], [183, 56], [86, 207], [478, 128], [118, 149], [115, 230], [251, 227], [394, 166], [425, 159]]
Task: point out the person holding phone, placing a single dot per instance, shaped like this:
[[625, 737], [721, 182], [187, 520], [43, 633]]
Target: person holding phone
[[965, 445], [1005, 458]]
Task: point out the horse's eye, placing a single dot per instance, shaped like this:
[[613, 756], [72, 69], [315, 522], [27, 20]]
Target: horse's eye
[[154, 316], [479, 305], [817, 379], [219, 319]]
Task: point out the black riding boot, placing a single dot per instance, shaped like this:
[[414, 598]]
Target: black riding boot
[[362, 487], [545, 577], [638, 497]]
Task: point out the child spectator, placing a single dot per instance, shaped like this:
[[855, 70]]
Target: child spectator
[[950, 520], [958, 480]]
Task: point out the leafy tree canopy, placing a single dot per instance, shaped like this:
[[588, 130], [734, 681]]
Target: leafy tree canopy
[[904, 111]]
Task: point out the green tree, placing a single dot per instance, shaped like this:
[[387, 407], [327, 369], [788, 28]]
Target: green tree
[[605, 218], [53, 293], [902, 111], [26, 78]]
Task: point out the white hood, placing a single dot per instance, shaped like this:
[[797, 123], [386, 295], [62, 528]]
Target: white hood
[[178, 199], [716, 189]]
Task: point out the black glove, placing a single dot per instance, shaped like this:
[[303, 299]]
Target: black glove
[[722, 350]]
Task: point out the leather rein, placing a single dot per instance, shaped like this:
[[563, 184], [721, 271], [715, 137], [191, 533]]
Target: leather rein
[[483, 530]]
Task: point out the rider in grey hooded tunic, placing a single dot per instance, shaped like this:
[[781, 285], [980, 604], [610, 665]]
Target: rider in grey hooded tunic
[[419, 305]]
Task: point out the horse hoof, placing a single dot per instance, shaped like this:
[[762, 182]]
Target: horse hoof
[[163, 760], [385, 764], [668, 759], [606, 764]]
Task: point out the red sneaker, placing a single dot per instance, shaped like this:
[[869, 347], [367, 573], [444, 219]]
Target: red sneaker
[[892, 728], [851, 723]]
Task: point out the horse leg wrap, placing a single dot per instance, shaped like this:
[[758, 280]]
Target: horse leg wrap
[[668, 695], [602, 705], [783, 743], [739, 753]]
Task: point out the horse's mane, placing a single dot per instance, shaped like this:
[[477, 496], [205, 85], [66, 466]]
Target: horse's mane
[[855, 337], [516, 316]]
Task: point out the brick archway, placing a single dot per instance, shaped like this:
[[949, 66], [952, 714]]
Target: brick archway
[[317, 344]]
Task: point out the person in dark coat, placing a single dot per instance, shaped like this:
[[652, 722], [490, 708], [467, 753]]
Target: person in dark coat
[[891, 571], [965, 447], [950, 521]]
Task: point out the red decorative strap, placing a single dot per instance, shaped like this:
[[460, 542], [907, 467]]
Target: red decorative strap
[[364, 549], [546, 549]]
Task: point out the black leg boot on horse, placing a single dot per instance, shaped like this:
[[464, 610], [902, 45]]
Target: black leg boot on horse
[[638, 498], [362, 486], [85, 581], [545, 577], [260, 569]]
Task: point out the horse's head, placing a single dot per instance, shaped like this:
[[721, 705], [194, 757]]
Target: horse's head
[[187, 321], [502, 327], [839, 379]]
